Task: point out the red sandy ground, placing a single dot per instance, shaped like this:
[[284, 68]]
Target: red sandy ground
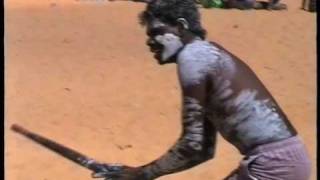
[[79, 72]]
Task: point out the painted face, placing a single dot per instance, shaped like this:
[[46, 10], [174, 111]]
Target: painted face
[[164, 41]]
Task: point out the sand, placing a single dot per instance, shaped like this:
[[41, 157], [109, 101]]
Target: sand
[[79, 72]]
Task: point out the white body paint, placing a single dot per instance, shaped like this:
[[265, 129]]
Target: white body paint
[[193, 115], [237, 116], [200, 58], [171, 43], [241, 118], [255, 120], [191, 141]]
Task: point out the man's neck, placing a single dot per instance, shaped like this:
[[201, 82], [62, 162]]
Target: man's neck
[[189, 37]]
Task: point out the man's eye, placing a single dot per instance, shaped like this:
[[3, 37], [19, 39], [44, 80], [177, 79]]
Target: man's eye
[[155, 32]]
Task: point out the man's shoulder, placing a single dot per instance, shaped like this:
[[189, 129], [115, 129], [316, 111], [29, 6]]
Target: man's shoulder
[[199, 51], [198, 46], [200, 59], [196, 61], [201, 55]]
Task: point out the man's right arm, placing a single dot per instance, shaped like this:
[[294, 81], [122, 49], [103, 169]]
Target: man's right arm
[[195, 145], [198, 138]]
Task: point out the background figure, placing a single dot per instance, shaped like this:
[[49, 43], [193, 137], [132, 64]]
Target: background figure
[[243, 4], [309, 5]]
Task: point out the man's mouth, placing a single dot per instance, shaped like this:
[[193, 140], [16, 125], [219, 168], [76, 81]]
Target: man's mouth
[[156, 53], [155, 50]]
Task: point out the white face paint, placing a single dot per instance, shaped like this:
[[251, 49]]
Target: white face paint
[[171, 44]]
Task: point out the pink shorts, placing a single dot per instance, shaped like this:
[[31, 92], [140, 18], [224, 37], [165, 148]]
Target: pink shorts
[[283, 160]]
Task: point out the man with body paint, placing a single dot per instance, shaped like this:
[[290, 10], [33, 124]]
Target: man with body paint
[[220, 94]]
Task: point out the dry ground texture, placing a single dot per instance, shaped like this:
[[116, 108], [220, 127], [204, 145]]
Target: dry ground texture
[[79, 72]]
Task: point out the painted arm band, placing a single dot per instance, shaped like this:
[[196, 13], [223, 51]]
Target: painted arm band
[[193, 147]]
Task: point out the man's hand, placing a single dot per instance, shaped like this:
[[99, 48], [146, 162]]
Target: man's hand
[[120, 172]]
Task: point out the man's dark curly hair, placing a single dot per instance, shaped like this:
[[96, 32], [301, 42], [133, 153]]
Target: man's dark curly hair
[[168, 11]]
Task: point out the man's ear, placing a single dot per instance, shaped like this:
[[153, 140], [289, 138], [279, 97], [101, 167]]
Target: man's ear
[[183, 23]]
